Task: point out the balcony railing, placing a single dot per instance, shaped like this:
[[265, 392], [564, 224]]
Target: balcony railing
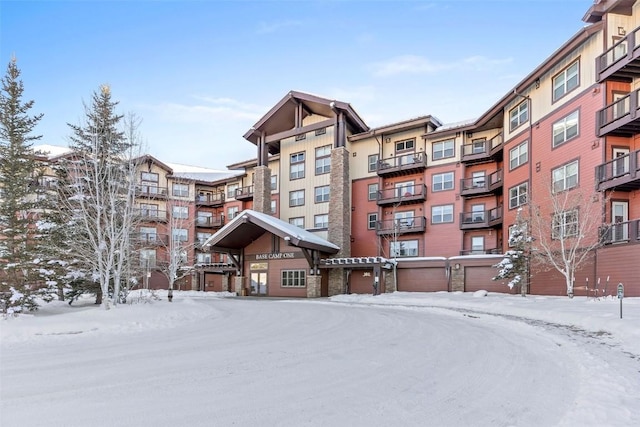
[[491, 218], [210, 221], [244, 193], [621, 173], [620, 118], [151, 215], [482, 151], [493, 251], [621, 59], [416, 224], [213, 200], [621, 232], [402, 195], [152, 239], [402, 165], [151, 191], [479, 186]]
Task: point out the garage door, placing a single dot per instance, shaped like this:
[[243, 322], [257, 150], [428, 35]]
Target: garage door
[[427, 279], [479, 278], [361, 282]]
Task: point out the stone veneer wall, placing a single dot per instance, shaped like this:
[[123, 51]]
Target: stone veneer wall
[[262, 190], [314, 286], [339, 232], [457, 279]]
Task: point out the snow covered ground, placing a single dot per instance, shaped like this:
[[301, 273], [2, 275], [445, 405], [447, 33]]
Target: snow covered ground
[[402, 359]]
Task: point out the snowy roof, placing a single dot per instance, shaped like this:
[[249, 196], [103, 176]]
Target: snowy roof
[[248, 225], [454, 125], [198, 173], [51, 151]]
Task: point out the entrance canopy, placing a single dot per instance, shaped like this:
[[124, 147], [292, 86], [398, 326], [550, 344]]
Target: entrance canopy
[[249, 225]]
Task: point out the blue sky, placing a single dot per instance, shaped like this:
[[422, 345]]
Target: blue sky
[[201, 73]]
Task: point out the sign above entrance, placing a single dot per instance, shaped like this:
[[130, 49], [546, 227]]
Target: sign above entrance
[[276, 255]]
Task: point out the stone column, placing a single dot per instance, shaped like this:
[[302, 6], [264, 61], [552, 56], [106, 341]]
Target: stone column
[[389, 281], [225, 283], [262, 190], [457, 279], [339, 232], [314, 286], [239, 285]]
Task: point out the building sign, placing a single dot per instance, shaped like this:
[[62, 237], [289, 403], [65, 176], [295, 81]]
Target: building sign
[[276, 255]]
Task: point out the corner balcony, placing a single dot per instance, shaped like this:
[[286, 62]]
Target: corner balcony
[[244, 193], [621, 173], [482, 151], [408, 195], [406, 164], [482, 186], [620, 61], [491, 218], [151, 192], [210, 200], [622, 232], [619, 118], [416, 224], [150, 215], [210, 221]]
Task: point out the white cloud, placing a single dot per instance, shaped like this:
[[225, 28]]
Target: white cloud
[[415, 64]]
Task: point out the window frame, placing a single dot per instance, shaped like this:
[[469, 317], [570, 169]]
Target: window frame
[[393, 249], [559, 229], [519, 147], [297, 165], [443, 150], [563, 169], [372, 217], [563, 127], [404, 145], [372, 162], [373, 195], [322, 225], [324, 159], [443, 174], [521, 109], [563, 74], [443, 215], [293, 278], [183, 212], [519, 195], [293, 221], [297, 199], [178, 189], [322, 194]]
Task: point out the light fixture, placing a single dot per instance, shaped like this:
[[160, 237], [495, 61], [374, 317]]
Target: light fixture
[[457, 266]]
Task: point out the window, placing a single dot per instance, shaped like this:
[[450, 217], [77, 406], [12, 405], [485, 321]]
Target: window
[[566, 81], [296, 169], [565, 224], [372, 220], [442, 181], [293, 278], [519, 155], [180, 212], [179, 234], [478, 145], [274, 182], [404, 248], [180, 190], [478, 179], [322, 194], [149, 178], [404, 219], [147, 258], [565, 177], [321, 221], [443, 149], [519, 115], [232, 189], [321, 131], [406, 145], [296, 198], [373, 191], [149, 211], [204, 219], [372, 161], [477, 213], [232, 212], [441, 214], [301, 137], [203, 258], [323, 160], [477, 245], [404, 189], [274, 206], [202, 237], [565, 129], [298, 221], [518, 195], [148, 234]]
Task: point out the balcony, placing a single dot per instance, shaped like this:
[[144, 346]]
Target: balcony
[[621, 173], [482, 151], [619, 118], [151, 239], [210, 200], [408, 195], [494, 251], [150, 215], [491, 218], [416, 224], [210, 221], [622, 232], [151, 191], [406, 164], [620, 61], [244, 193], [482, 186]]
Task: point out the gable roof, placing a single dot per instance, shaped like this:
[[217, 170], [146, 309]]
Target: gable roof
[[249, 225]]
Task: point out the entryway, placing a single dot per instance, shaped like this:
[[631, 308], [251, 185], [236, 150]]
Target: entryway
[[258, 283]]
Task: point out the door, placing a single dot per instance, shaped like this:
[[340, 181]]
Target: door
[[620, 165], [620, 217], [259, 283], [621, 106]]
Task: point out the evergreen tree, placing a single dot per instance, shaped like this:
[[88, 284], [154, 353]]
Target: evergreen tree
[[19, 173], [514, 265]]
